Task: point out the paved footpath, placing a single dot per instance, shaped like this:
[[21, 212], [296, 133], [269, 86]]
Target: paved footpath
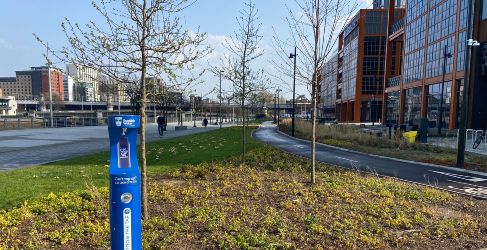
[[451, 179], [25, 148]]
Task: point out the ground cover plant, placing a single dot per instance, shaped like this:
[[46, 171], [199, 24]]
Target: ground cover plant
[[350, 137], [265, 204], [162, 156]]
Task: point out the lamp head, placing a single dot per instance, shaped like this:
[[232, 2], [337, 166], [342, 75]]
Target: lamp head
[[291, 56], [472, 42]]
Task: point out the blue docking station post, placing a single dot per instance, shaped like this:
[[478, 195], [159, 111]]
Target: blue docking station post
[[125, 210]]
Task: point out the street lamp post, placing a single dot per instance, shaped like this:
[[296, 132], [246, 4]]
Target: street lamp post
[[291, 56], [463, 113], [278, 108], [445, 56], [194, 111], [221, 99], [50, 86], [275, 108], [82, 103]]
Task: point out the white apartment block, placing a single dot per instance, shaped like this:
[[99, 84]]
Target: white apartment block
[[68, 84], [86, 82]]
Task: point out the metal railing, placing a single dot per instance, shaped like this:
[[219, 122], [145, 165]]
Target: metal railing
[[394, 81], [397, 26]]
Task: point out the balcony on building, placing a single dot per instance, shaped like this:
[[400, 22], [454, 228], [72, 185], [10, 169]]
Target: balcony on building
[[394, 81]]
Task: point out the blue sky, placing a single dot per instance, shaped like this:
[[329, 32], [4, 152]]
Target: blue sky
[[19, 50]]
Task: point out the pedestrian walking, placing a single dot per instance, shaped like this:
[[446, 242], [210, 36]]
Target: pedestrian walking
[[205, 122], [161, 122]]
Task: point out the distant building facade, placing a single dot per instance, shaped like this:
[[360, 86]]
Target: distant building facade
[[8, 105], [35, 82], [86, 82], [68, 85]]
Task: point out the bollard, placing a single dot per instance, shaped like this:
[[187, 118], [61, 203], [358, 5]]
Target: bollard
[[83, 122], [32, 122], [5, 124], [20, 126], [125, 207], [65, 122]]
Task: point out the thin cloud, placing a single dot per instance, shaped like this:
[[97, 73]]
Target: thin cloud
[[5, 44]]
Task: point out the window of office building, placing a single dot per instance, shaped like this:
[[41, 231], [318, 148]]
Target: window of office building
[[381, 85], [382, 45], [371, 45], [369, 85], [463, 14], [393, 66], [433, 3], [410, 34], [411, 10], [384, 22], [372, 22], [434, 24], [422, 6], [420, 38], [412, 105], [483, 10], [462, 38], [392, 107], [450, 47], [449, 17], [394, 47], [381, 66], [418, 65], [370, 65], [433, 100], [408, 68], [432, 56]]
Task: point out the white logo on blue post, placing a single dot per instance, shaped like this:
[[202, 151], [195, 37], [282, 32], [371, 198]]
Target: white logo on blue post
[[118, 121]]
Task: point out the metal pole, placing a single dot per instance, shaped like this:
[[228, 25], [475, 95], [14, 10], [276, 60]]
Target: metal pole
[[278, 110], [294, 89], [221, 98], [49, 83], [275, 109], [463, 111], [440, 113], [82, 103]]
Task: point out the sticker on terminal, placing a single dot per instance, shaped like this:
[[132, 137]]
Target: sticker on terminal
[[127, 229], [124, 180]]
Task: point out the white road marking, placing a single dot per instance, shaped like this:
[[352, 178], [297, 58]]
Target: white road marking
[[459, 176], [471, 189], [345, 159]]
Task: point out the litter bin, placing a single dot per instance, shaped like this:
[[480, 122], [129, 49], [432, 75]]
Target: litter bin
[[423, 125], [410, 136]]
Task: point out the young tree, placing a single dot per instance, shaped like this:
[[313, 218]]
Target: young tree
[[244, 49], [314, 34], [142, 37]]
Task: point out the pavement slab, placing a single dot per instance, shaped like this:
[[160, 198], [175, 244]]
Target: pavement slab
[[25, 148]]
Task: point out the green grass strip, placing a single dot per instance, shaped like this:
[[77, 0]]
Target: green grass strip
[[165, 156]]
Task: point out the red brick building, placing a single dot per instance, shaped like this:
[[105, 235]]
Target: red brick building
[[56, 83]]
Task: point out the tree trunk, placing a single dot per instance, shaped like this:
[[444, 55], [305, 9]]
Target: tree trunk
[[313, 141], [143, 167], [314, 86]]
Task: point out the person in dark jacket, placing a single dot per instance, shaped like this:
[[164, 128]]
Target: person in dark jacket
[[205, 122], [161, 122]]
